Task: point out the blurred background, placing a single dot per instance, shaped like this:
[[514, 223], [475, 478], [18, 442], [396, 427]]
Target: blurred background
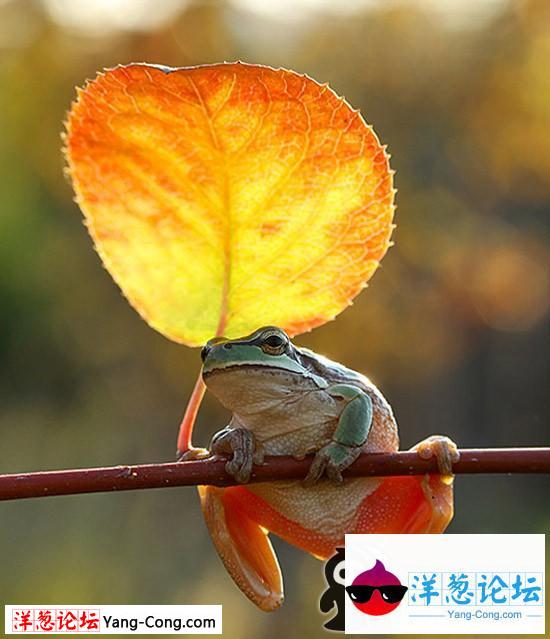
[[454, 326]]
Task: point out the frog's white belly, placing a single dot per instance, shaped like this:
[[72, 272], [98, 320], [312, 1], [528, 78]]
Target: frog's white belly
[[293, 424]]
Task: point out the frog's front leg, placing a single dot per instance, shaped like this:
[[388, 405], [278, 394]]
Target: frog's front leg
[[241, 444], [349, 437]]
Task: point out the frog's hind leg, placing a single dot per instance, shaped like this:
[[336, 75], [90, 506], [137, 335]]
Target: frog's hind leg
[[419, 504], [243, 546]]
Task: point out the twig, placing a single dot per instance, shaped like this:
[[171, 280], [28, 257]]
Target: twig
[[192, 473]]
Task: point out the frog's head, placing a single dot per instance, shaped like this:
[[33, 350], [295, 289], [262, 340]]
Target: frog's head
[[268, 346], [252, 367]]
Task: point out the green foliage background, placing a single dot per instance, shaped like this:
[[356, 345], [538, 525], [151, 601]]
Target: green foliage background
[[454, 327]]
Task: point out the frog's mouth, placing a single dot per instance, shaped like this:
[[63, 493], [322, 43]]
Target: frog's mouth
[[264, 368]]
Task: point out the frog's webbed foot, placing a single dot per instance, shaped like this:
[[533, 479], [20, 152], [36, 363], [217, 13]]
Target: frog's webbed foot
[[191, 454], [332, 459], [434, 508], [443, 449], [243, 544], [245, 451]]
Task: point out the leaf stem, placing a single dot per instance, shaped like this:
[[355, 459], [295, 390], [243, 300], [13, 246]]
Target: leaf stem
[[186, 427], [185, 433]]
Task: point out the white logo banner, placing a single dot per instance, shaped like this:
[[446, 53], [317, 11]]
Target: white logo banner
[[444, 584]]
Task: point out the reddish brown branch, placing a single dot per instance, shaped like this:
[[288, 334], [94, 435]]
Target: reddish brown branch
[[192, 473]]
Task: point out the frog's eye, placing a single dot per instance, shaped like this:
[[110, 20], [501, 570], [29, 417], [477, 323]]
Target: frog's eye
[[273, 344]]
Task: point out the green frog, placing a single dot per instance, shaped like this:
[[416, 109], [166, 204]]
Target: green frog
[[287, 400]]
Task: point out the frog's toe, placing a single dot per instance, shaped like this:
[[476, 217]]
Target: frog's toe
[[233, 466], [192, 454], [316, 469], [241, 444], [259, 454], [332, 459], [334, 473], [240, 466], [443, 449]]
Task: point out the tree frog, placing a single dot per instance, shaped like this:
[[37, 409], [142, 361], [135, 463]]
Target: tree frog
[[287, 400]]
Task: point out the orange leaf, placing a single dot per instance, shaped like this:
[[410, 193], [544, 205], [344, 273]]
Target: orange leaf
[[225, 197]]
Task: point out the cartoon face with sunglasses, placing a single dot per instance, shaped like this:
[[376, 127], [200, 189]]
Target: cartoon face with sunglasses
[[376, 591]]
